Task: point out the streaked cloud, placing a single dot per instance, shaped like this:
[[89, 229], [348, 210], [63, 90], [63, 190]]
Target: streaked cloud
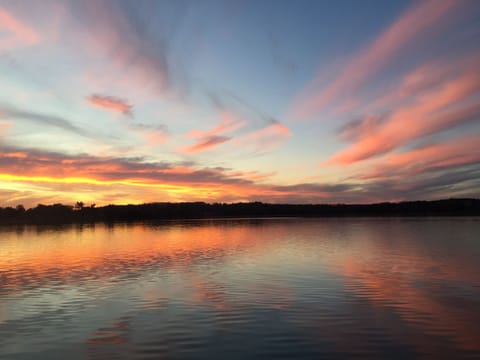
[[153, 135], [17, 33], [266, 138], [206, 143], [8, 112], [111, 103], [211, 138], [129, 37], [457, 152], [420, 19], [450, 102]]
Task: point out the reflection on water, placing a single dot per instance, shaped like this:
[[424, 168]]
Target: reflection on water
[[332, 288]]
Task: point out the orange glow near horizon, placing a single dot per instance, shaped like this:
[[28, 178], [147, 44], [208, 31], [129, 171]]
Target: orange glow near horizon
[[146, 190]]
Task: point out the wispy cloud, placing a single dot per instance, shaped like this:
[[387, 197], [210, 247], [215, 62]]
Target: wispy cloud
[[433, 109], [206, 143], [458, 152], [418, 20], [229, 123], [154, 135], [17, 33], [136, 45], [266, 138], [44, 119], [111, 103]]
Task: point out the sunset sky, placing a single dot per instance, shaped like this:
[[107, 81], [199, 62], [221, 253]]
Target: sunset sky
[[115, 102]]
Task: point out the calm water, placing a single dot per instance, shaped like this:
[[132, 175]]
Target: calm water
[[224, 289]]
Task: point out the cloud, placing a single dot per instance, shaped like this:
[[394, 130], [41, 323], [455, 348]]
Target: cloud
[[415, 22], [44, 119], [18, 33], [228, 123], [135, 39], [51, 164], [428, 172], [153, 134], [63, 177], [111, 103], [214, 137], [426, 110], [357, 129], [207, 143], [457, 152], [266, 138]]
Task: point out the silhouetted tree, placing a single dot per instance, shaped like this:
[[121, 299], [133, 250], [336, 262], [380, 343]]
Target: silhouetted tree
[[79, 205], [59, 213]]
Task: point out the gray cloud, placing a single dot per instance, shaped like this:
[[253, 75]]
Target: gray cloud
[[43, 119]]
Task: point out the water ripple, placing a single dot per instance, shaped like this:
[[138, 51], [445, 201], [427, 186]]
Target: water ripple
[[286, 288]]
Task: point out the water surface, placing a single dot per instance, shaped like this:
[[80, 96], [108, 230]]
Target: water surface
[[227, 289]]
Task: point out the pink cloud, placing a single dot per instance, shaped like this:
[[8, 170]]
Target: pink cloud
[[358, 129], [266, 138], [19, 33], [214, 137], [450, 102], [457, 152], [153, 135], [228, 123], [133, 62], [111, 103], [419, 19], [206, 143]]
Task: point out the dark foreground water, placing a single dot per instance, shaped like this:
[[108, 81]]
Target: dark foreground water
[[225, 289]]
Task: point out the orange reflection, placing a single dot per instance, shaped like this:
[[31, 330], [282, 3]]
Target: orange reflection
[[397, 283], [96, 252]]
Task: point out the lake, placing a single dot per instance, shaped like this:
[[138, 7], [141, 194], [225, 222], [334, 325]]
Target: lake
[[237, 289]]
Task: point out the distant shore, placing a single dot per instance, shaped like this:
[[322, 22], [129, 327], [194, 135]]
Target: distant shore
[[65, 214]]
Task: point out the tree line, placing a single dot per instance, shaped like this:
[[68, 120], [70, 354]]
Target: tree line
[[79, 213]]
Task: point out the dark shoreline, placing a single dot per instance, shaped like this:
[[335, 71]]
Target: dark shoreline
[[65, 214]]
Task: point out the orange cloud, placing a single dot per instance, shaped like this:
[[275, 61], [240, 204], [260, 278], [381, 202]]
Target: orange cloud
[[209, 139], [206, 144], [20, 33], [457, 152], [417, 20], [31, 177], [115, 180], [111, 103], [228, 123], [432, 110], [35, 176]]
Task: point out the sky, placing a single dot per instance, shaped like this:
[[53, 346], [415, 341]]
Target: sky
[[130, 102]]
